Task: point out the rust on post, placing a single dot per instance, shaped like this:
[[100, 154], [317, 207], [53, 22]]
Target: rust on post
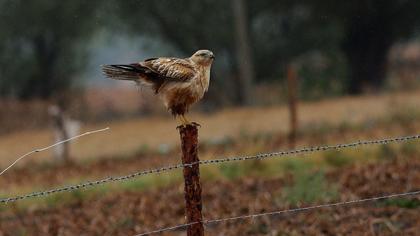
[[193, 205], [292, 97]]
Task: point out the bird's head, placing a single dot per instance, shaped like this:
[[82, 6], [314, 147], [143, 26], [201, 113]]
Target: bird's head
[[203, 57]]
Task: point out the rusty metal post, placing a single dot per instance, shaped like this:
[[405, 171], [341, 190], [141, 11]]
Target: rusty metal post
[[193, 205], [292, 97]]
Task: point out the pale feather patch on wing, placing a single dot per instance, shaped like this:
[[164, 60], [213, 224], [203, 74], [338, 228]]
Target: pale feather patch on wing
[[172, 69]]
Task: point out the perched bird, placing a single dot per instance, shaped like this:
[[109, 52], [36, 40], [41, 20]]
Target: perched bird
[[178, 82]]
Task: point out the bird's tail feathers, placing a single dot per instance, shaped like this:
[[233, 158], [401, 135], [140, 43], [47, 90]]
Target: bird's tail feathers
[[134, 72], [123, 72]]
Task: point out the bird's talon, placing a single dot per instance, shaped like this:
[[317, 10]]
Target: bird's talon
[[184, 125], [195, 124]]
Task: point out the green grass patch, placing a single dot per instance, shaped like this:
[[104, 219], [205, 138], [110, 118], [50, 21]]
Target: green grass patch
[[126, 222], [387, 152], [65, 198], [231, 170], [20, 232], [410, 149], [297, 164], [338, 158], [259, 168], [402, 203], [151, 181], [309, 188]]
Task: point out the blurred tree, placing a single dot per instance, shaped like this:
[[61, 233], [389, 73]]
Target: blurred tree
[[243, 52], [370, 28], [287, 32], [42, 45]]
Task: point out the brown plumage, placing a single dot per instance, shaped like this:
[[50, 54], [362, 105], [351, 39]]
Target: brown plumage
[[178, 82]]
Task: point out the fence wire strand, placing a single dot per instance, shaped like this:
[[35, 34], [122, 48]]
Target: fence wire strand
[[51, 146], [288, 211], [288, 153]]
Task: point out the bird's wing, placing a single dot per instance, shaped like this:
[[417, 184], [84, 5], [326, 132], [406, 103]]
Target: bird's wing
[[172, 69], [154, 72]]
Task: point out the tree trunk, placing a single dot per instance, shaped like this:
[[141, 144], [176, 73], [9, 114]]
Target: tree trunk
[[366, 47], [46, 59], [243, 53]]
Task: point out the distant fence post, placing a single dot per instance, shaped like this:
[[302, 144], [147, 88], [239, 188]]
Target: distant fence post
[[193, 205], [292, 97], [61, 153]]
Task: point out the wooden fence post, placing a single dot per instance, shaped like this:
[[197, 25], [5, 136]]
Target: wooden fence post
[[292, 97], [193, 205]]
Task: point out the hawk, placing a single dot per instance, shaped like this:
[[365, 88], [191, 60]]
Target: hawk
[[178, 82]]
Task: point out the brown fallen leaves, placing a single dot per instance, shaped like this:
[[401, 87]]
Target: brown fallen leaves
[[129, 213]]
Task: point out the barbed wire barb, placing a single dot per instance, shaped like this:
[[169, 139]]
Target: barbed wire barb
[[51, 146], [289, 153], [287, 211]]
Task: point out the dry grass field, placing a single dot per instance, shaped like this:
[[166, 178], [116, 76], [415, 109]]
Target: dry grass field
[[129, 136]]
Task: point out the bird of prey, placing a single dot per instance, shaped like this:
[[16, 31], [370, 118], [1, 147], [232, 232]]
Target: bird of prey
[[178, 82]]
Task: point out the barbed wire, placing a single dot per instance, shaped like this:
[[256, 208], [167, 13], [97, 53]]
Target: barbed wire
[[307, 150], [293, 152], [288, 211], [90, 184]]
